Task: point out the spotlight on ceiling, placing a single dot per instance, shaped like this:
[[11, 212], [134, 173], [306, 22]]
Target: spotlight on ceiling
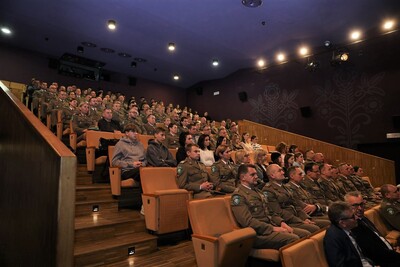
[[355, 35], [111, 24], [312, 65], [215, 62], [252, 3], [388, 25], [176, 77], [80, 49], [133, 64], [327, 44], [339, 58], [171, 47], [6, 30], [261, 63], [280, 57], [303, 51]]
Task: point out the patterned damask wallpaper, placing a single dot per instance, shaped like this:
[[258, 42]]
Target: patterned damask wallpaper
[[344, 103]]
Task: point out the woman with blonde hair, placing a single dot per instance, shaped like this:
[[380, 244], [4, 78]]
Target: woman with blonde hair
[[260, 161]]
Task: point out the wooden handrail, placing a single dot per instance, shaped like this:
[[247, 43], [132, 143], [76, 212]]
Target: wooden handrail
[[379, 169], [37, 189]]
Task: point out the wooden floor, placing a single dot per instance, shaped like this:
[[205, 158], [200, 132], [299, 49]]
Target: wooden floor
[[181, 255]]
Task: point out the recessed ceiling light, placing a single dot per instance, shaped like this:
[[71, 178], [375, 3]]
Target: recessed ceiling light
[[107, 50], [6, 30], [261, 63], [252, 3], [215, 62], [111, 24], [355, 35], [388, 25], [171, 47], [280, 57], [176, 77], [303, 51], [122, 54]]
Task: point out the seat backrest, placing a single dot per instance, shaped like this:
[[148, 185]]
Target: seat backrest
[[209, 217], [318, 238], [271, 148], [374, 216], [93, 137], [110, 154], [227, 200], [173, 152], [301, 253], [144, 139], [157, 178]]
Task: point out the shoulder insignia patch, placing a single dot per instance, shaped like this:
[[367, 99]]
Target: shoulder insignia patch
[[235, 200], [179, 170], [390, 211], [265, 194], [214, 168]]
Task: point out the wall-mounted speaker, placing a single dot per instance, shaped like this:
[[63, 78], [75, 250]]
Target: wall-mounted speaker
[[306, 112], [396, 121], [199, 90], [242, 96]]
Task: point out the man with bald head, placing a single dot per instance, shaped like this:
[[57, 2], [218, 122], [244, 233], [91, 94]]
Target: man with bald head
[[281, 201], [390, 206]]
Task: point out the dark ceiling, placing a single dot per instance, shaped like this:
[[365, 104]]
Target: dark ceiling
[[202, 30]]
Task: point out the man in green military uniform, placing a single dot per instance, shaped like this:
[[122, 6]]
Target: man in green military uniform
[[193, 175], [249, 207], [281, 201], [390, 206]]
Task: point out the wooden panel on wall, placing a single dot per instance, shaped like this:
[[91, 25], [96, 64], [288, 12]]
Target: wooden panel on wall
[[380, 170], [37, 189]]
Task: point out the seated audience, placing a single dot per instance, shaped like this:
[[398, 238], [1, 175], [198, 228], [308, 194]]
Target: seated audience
[[310, 183], [309, 156], [206, 155], [254, 142], [331, 191], [390, 206], [184, 139], [223, 173], [373, 245], [107, 124], [150, 126], [282, 148], [157, 154], [172, 137], [249, 207], [129, 154], [246, 142], [303, 199], [260, 161], [341, 248], [294, 149], [282, 202], [81, 122], [192, 174], [319, 158]]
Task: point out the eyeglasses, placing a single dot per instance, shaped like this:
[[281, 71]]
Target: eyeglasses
[[356, 205], [353, 217]]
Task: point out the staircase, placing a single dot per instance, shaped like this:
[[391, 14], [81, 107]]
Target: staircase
[[107, 235]]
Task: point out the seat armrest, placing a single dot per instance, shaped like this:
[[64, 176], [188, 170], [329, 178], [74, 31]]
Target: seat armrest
[[206, 238], [115, 180], [170, 192]]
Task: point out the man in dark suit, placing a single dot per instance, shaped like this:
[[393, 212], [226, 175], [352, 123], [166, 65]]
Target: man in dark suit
[[374, 245], [340, 247]]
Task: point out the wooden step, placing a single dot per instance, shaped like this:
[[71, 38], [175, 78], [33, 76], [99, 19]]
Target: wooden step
[[84, 208], [93, 192], [114, 249], [106, 225], [81, 168], [84, 179]]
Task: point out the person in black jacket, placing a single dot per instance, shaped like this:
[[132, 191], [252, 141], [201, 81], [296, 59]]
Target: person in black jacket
[[107, 124], [184, 139], [371, 241], [341, 249], [157, 154]]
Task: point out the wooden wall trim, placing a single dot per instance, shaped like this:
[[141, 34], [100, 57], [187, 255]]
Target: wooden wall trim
[[380, 170], [37, 188]]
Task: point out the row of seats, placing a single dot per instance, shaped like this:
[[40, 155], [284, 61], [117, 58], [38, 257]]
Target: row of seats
[[218, 241]]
